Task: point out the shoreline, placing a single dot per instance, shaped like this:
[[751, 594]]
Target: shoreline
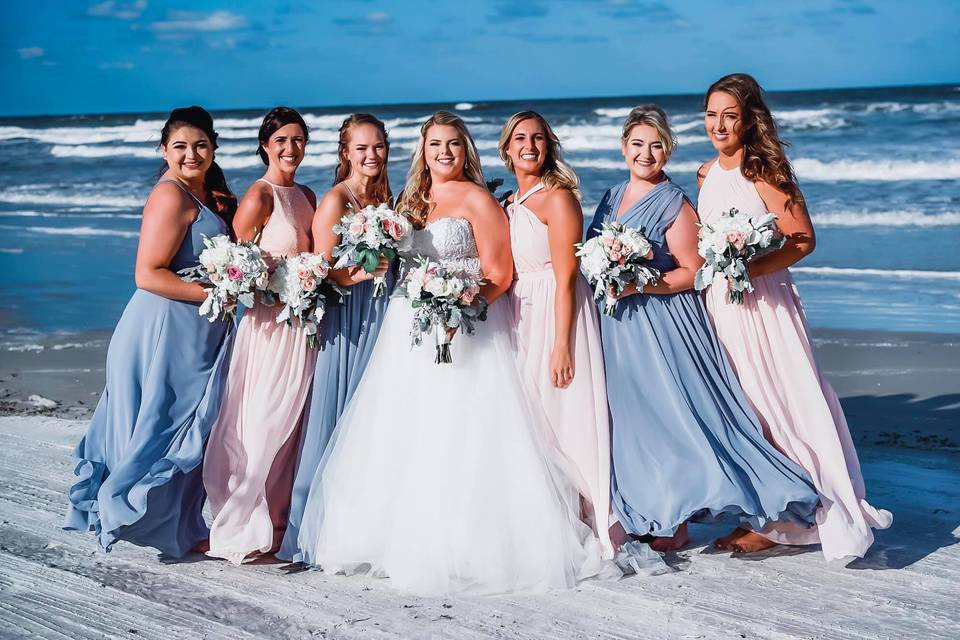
[[897, 389]]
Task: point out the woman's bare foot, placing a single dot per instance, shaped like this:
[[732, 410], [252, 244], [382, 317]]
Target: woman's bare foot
[[676, 542], [618, 535], [752, 543], [726, 542], [201, 547]]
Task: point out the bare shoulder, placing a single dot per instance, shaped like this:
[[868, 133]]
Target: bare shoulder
[[311, 196], [480, 202], [167, 200], [771, 195], [704, 168], [559, 205], [334, 200], [259, 193]]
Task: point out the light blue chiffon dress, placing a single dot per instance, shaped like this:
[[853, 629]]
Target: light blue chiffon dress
[[346, 338], [685, 442], [138, 466]]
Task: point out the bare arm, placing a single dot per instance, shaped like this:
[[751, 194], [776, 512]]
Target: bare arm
[[795, 224], [167, 217], [681, 238], [492, 232], [254, 211], [702, 172], [331, 208], [564, 219]]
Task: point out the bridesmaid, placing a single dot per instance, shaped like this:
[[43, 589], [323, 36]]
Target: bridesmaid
[[248, 468], [139, 463], [350, 330], [685, 442], [767, 339], [559, 354]]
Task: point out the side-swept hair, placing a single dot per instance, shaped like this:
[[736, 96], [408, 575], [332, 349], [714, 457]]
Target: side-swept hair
[[763, 154], [557, 174], [415, 199]]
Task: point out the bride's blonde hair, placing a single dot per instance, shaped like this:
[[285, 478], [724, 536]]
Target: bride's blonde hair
[[414, 201], [556, 172]]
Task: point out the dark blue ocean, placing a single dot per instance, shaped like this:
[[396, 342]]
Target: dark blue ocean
[[879, 169]]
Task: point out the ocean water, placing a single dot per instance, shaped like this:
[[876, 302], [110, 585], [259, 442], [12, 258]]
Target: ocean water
[[879, 169]]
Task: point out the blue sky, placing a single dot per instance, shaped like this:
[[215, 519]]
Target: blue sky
[[83, 56]]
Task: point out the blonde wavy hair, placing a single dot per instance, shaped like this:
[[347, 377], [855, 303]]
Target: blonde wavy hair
[[381, 186], [415, 201], [764, 157], [557, 174], [651, 115]]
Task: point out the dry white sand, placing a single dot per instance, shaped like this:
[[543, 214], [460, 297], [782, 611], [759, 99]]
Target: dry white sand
[[56, 584]]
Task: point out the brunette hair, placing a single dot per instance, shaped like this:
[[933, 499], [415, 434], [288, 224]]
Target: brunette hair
[[381, 186], [654, 116], [277, 118], [556, 172], [415, 199], [763, 148]]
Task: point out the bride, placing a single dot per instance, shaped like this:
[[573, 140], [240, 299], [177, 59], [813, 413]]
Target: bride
[[436, 476]]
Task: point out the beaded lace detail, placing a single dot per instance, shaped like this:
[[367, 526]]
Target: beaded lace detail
[[449, 241]]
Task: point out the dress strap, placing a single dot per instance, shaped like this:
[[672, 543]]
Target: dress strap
[[353, 196], [199, 202], [534, 189]]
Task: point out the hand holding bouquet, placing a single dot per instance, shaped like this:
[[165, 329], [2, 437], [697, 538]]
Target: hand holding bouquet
[[300, 284], [729, 243], [368, 235], [234, 270], [615, 258], [442, 300]]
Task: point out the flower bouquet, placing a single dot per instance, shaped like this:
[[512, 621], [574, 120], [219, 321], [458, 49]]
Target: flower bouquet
[[442, 300], [613, 259], [234, 271], [300, 284], [369, 234], [729, 243]]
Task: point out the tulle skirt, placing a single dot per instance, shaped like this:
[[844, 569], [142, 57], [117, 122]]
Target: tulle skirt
[[437, 478]]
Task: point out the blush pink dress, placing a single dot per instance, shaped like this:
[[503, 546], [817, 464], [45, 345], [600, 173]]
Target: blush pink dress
[[577, 416], [250, 456], [768, 343]]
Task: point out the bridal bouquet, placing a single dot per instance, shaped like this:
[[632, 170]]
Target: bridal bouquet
[[729, 243], [615, 258], [234, 270], [300, 284], [442, 300], [369, 234]]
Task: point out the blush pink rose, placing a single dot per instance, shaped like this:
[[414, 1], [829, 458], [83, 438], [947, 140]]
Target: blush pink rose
[[616, 256], [738, 239], [392, 229], [309, 284], [234, 272]]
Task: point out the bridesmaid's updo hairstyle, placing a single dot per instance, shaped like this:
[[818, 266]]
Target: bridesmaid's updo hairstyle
[[381, 186], [764, 158], [557, 174], [651, 115], [415, 200], [278, 118], [219, 198]]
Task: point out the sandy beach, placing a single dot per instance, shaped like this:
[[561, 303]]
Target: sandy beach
[[902, 396], [898, 389]]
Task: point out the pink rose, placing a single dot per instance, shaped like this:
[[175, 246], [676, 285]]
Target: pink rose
[[469, 294], [616, 256], [303, 273], [737, 238], [320, 270], [234, 273], [309, 284], [214, 276], [617, 246], [392, 229]]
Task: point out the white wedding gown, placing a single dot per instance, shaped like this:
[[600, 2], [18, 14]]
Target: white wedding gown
[[436, 476]]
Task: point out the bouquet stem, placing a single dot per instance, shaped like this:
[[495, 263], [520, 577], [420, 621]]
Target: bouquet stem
[[379, 286], [443, 345], [610, 306]]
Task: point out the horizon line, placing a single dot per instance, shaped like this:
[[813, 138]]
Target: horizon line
[[955, 84]]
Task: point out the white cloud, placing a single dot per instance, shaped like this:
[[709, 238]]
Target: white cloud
[[123, 66], [28, 53], [378, 16], [191, 21], [118, 10]]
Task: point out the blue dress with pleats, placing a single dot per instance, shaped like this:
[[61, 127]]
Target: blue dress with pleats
[[139, 463], [686, 443], [346, 338]]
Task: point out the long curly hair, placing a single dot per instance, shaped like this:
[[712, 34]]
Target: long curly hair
[[415, 200], [763, 154], [381, 186], [556, 172]]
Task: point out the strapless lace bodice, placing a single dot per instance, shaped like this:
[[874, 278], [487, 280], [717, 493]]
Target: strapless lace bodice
[[450, 241]]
